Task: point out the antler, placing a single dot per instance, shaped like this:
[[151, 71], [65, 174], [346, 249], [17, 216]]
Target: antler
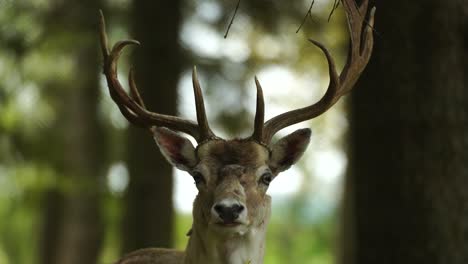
[[133, 107], [361, 42]]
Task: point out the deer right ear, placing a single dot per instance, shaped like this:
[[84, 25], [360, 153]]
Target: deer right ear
[[177, 149], [289, 150]]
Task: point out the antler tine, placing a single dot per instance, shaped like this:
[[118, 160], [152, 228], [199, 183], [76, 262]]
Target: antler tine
[[295, 116], [259, 114], [133, 107], [133, 88], [360, 43], [205, 130], [103, 36], [363, 8], [358, 56], [131, 116]]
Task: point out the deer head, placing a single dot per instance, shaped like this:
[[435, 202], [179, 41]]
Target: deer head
[[232, 176]]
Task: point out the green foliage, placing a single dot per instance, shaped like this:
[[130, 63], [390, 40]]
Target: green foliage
[[113, 212], [19, 211], [291, 242]]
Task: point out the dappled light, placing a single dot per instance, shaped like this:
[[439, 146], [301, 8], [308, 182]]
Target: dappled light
[[70, 163]]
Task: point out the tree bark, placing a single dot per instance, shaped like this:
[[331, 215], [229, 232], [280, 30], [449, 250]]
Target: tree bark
[[72, 225], [409, 153], [149, 217]]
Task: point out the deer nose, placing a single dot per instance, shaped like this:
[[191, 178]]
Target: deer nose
[[229, 213]]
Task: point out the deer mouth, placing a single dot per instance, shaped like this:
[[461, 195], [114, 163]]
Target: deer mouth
[[228, 224]]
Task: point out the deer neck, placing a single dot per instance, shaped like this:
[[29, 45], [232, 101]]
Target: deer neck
[[208, 247]]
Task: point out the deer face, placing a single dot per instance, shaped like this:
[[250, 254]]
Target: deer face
[[232, 176]]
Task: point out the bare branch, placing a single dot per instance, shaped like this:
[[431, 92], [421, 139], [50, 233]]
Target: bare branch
[[336, 4], [308, 14], [232, 19]]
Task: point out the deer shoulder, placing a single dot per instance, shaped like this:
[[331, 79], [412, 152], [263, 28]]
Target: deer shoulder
[[153, 256]]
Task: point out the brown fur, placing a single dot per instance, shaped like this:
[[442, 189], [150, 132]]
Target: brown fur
[[231, 172], [237, 151], [153, 256]]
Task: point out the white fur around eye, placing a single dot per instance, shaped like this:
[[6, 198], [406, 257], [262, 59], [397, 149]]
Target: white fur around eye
[[261, 170]]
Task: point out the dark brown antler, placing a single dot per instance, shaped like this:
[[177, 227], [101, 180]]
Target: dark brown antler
[[133, 107], [361, 42], [259, 114]]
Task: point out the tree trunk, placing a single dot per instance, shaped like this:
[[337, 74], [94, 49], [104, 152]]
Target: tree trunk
[[72, 226], [149, 217], [409, 154]]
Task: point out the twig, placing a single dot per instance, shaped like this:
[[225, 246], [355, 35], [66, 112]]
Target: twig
[[232, 19], [308, 14], [335, 6], [366, 22]]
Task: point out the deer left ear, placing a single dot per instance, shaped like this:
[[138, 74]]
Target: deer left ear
[[289, 149], [177, 149]]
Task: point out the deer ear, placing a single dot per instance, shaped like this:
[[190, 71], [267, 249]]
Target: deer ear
[[288, 150], [177, 149]]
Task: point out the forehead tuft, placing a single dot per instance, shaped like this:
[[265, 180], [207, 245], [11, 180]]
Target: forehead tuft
[[237, 151]]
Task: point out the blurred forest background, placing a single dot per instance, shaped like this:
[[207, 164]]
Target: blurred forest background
[[79, 185]]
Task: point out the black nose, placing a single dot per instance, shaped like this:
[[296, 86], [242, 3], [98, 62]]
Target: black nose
[[228, 213]]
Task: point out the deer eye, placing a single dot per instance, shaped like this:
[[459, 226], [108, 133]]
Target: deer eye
[[266, 178], [198, 177]]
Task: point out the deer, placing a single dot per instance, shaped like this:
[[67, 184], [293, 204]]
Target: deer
[[232, 208]]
